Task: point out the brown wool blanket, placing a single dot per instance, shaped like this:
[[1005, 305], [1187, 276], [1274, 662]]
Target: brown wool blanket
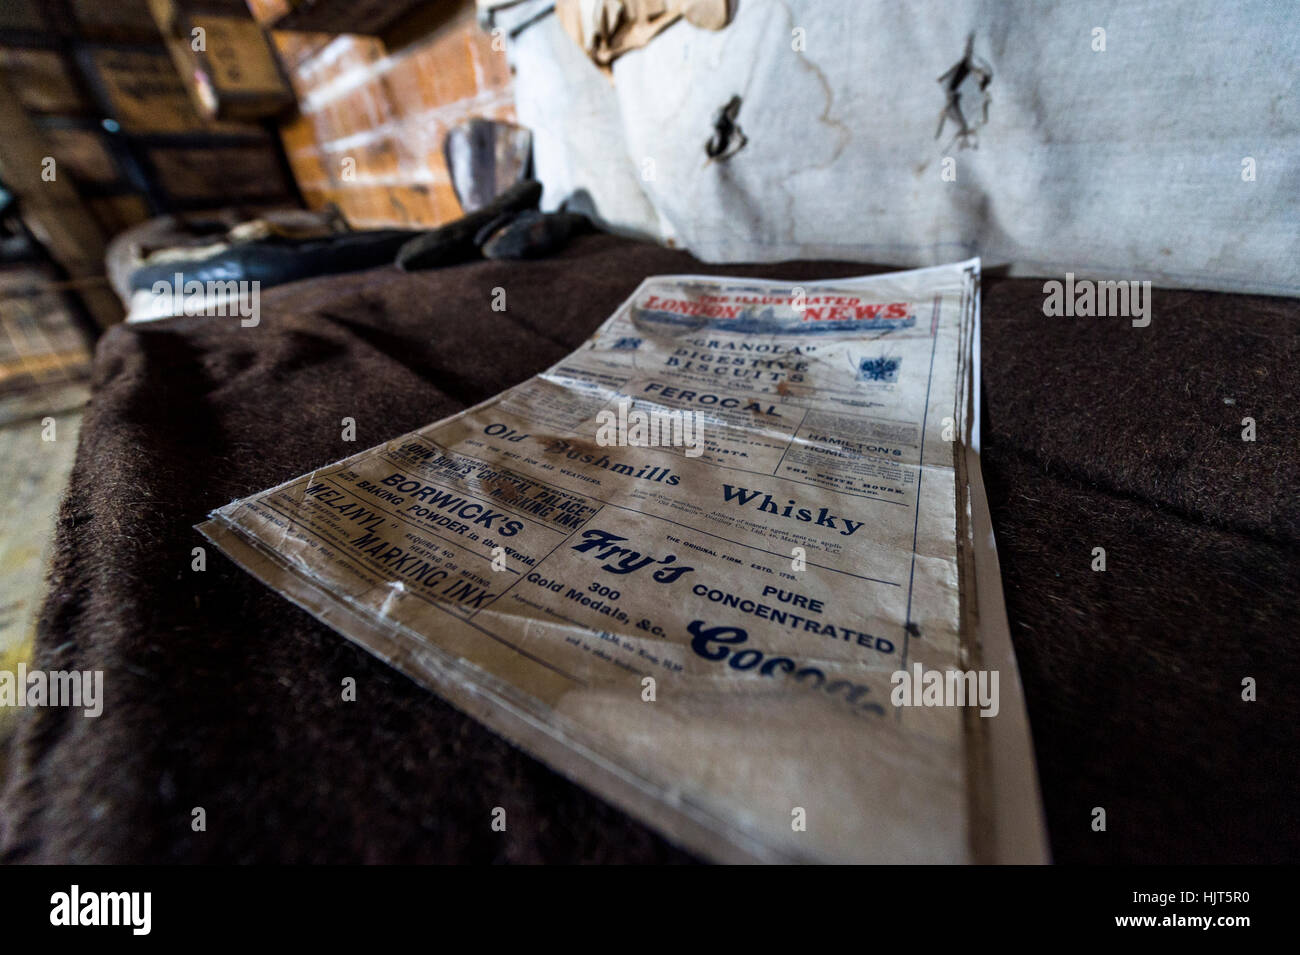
[[222, 695]]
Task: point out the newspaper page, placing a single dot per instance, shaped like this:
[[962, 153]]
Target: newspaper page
[[718, 565]]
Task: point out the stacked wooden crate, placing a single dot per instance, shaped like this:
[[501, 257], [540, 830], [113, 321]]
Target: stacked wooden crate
[[374, 109], [99, 85]]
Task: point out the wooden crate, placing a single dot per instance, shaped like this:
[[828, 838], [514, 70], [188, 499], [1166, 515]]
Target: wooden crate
[[224, 58], [118, 213], [83, 154], [370, 17], [230, 173], [144, 91], [41, 80]]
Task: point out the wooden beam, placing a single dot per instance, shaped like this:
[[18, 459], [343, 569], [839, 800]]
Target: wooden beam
[[52, 210]]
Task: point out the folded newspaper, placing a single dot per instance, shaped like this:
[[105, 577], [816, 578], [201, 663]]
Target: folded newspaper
[[728, 565]]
